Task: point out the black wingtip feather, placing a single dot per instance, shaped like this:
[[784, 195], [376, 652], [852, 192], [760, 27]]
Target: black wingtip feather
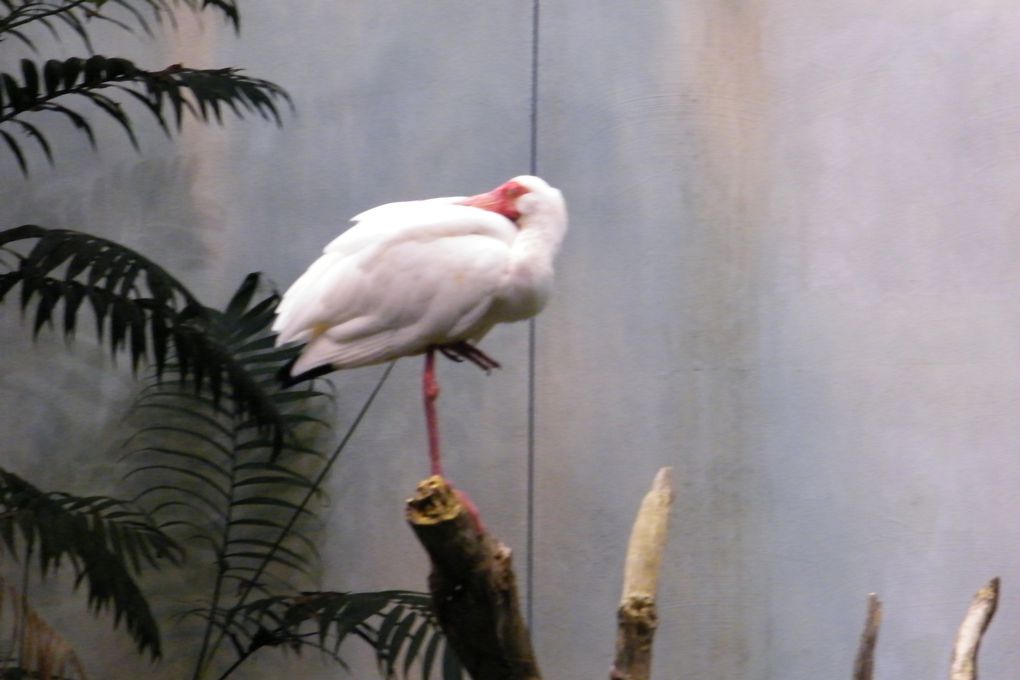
[[288, 380]]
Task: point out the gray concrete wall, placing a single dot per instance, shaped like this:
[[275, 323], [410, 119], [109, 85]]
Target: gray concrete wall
[[791, 275]]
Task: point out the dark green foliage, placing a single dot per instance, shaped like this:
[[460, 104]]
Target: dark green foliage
[[221, 452], [399, 625], [64, 87], [78, 15], [141, 309], [222, 456], [218, 479], [104, 539], [216, 473], [73, 88]]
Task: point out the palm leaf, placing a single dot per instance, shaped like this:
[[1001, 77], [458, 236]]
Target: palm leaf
[[78, 15], [61, 86], [216, 478], [104, 539], [208, 455], [141, 310], [214, 473], [398, 625]]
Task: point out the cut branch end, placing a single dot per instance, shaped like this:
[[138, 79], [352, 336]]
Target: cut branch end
[[434, 502], [473, 588]]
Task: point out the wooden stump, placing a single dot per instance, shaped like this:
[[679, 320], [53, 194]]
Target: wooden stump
[[474, 590]]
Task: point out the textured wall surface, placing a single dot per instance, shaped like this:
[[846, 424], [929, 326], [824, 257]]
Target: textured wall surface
[[792, 274]]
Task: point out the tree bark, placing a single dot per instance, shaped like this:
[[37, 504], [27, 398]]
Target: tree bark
[[637, 618], [864, 664], [474, 590]]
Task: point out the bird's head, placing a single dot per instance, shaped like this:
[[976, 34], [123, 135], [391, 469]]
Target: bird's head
[[512, 199]]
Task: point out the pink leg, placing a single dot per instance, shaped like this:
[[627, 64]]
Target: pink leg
[[430, 389]]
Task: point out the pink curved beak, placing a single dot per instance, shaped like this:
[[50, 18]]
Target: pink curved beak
[[497, 201]]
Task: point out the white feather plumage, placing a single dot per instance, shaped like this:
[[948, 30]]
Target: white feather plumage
[[426, 273]]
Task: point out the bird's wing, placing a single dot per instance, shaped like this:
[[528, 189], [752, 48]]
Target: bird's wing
[[326, 293], [387, 209], [420, 220], [389, 287], [421, 294]]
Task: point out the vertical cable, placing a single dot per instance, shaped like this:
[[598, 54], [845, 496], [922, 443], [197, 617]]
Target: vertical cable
[[533, 169]]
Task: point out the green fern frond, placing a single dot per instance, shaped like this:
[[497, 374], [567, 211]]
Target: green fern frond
[[398, 625], [213, 473], [105, 539], [78, 15], [140, 309], [166, 94], [224, 477]]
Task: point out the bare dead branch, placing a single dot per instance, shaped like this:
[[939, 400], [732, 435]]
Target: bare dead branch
[[474, 590], [864, 664], [963, 665], [636, 617], [44, 653]]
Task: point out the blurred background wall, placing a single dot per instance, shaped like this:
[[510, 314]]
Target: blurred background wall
[[791, 274]]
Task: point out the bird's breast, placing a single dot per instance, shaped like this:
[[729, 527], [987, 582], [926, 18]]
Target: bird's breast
[[522, 296]]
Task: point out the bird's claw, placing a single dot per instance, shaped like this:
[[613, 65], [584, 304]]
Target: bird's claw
[[450, 354], [459, 351]]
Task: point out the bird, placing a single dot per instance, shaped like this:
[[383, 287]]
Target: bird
[[421, 277]]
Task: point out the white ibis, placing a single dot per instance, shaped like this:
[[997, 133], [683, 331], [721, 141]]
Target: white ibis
[[420, 276]]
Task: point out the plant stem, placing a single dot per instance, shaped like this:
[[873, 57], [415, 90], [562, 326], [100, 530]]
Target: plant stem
[[22, 633], [233, 667], [204, 656]]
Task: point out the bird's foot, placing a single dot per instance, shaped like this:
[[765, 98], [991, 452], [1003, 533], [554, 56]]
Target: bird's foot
[[459, 351], [450, 354]]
